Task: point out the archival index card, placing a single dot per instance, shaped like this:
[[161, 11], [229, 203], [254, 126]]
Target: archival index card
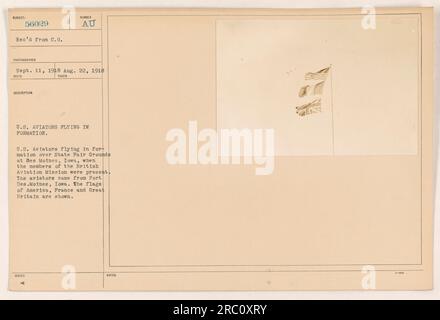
[[220, 149]]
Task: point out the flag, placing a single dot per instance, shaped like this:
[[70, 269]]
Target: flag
[[306, 90], [316, 88], [319, 75], [303, 91], [319, 87], [309, 108]]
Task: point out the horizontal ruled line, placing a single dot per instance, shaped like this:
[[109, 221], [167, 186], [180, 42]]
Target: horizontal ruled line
[[51, 62], [224, 271], [55, 46], [54, 78], [54, 29]]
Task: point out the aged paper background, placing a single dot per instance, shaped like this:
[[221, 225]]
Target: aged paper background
[[312, 224]]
